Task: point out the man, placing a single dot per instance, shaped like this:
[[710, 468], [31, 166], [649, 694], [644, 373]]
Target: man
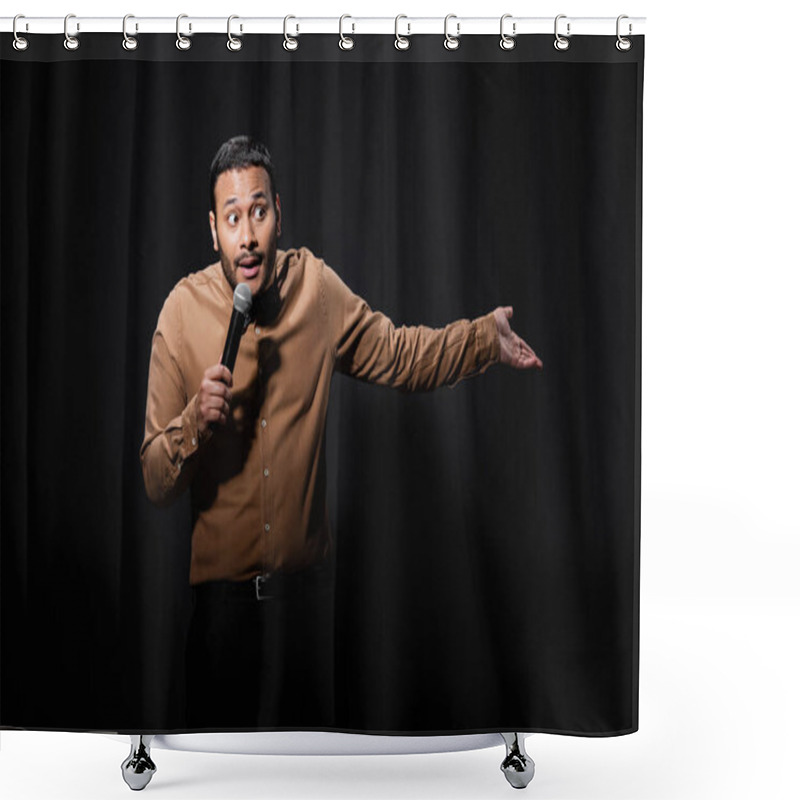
[[250, 445]]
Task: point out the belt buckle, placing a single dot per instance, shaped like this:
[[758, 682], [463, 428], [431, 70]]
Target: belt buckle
[[261, 582]]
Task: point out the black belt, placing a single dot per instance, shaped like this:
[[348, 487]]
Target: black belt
[[261, 587]]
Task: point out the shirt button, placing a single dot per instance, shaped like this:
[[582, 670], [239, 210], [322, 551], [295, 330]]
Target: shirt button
[[263, 423], [194, 440], [266, 473], [266, 527]]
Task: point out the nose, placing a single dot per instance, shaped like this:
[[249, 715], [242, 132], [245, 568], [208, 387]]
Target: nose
[[248, 234]]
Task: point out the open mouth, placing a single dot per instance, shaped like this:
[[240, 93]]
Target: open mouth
[[250, 267]]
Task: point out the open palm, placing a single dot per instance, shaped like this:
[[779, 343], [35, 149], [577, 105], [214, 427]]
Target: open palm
[[514, 351]]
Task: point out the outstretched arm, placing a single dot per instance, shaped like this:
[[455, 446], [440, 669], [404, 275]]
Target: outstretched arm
[[514, 351], [368, 346]]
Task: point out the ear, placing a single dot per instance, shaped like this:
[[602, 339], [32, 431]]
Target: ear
[[212, 223], [278, 212]]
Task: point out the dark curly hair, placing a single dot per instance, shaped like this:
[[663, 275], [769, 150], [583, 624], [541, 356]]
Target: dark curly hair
[[241, 152]]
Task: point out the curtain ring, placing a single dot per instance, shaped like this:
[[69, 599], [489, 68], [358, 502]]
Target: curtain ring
[[233, 43], [289, 43], [401, 42], [129, 42], [561, 42], [346, 42], [451, 42], [20, 42], [182, 42], [70, 42], [623, 44], [508, 42]]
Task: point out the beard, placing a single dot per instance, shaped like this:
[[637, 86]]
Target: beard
[[267, 267]]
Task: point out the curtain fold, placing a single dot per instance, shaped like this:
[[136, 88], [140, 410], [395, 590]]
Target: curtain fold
[[486, 535]]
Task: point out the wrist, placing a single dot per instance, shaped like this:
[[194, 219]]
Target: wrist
[[196, 430]]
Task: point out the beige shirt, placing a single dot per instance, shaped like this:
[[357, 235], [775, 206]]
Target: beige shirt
[[258, 482]]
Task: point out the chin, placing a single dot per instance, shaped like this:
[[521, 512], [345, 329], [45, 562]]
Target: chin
[[254, 283]]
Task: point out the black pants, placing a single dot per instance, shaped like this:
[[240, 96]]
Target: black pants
[[259, 664]]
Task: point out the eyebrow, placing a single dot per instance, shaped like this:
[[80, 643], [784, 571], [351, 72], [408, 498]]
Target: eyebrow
[[259, 195]]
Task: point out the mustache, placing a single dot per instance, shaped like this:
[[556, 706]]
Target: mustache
[[259, 257]]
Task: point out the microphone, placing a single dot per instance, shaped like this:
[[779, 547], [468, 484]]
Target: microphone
[[242, 303]]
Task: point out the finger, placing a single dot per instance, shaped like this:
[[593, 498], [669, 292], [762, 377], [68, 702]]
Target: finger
[[210, 406], [210, 389], [528, 349], [509, 312], [219, 372], [527, 356], [218, 388], [219, 403]]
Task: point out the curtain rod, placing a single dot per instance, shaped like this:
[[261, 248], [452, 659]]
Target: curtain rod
[[405, 26]]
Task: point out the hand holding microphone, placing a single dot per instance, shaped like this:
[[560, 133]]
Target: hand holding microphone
[[214, 396]]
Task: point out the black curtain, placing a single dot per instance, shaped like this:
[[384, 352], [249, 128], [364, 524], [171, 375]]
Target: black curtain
[[486, 535]]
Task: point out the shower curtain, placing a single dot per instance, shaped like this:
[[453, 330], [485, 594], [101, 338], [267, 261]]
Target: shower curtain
[[485, 535]]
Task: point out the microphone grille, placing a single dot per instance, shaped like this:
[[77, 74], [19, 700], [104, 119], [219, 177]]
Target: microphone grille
[[242, 298]]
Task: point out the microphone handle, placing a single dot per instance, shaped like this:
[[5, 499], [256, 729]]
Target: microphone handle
[[235, 331]]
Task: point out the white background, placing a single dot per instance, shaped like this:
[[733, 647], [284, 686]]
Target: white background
[[720, 439]]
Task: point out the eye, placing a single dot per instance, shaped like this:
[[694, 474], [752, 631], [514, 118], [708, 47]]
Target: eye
[[260, 212], [232, 218]]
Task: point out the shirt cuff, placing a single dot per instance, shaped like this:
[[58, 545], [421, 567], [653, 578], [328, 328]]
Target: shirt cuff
[[192, 438], [487, 340]]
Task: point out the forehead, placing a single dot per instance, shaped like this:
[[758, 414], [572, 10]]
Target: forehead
[[241, 183]]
